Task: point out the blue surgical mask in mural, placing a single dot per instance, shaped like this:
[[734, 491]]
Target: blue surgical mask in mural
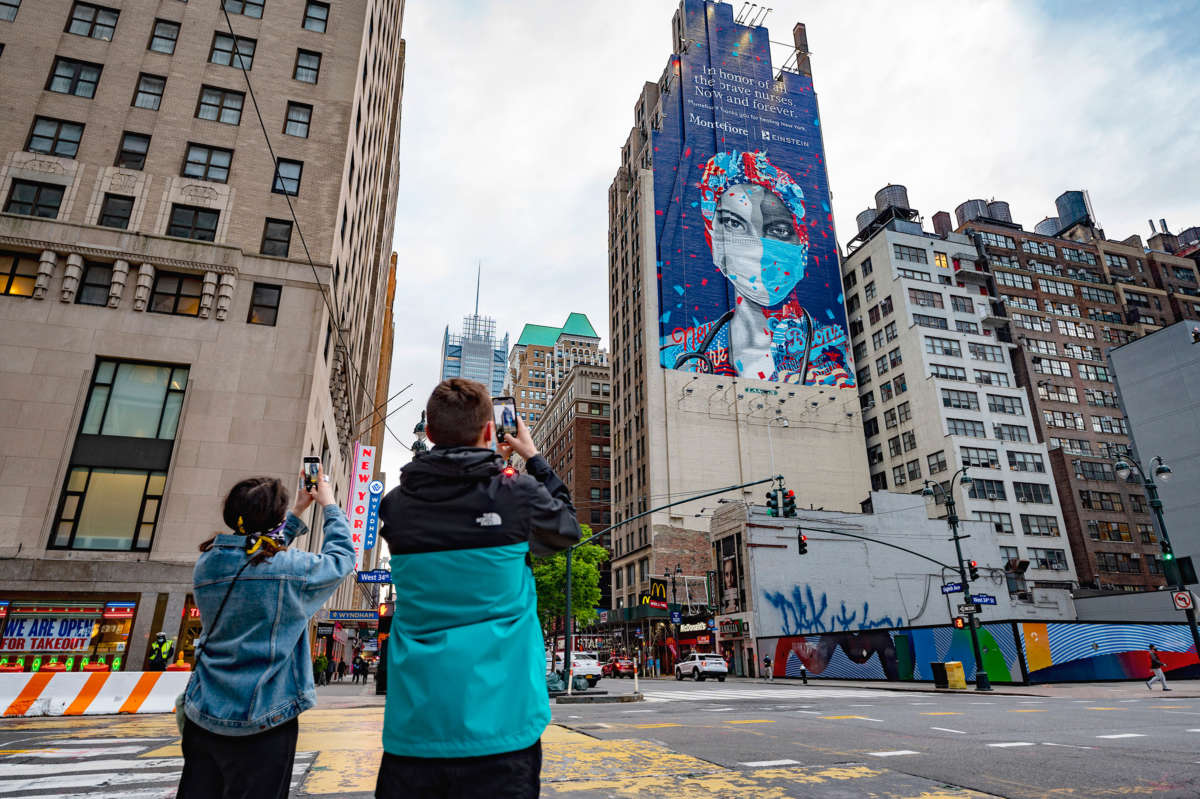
[[756, 245]]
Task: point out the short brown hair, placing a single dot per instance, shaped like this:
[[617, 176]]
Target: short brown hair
[[457, 411]]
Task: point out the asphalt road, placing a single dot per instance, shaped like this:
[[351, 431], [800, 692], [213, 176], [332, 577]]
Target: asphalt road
[[1007, 746]]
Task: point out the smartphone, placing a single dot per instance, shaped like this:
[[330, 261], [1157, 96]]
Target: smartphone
[[312, 472], [504, 413]]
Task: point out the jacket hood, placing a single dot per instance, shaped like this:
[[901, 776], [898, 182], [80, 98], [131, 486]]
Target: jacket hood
[[445, 473]]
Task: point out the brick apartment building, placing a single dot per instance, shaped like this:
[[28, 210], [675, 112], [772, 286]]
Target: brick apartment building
[[542, 359]]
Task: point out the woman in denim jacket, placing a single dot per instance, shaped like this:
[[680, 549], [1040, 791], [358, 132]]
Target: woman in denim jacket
[[254, 675]]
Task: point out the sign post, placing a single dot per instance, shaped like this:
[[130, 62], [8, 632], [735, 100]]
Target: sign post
[[1183, 600]]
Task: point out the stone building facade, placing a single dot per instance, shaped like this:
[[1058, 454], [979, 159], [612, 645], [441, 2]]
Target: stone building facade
[[542, 360]]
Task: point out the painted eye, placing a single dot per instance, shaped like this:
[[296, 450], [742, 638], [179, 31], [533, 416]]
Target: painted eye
[[732, 223], [781, 231]]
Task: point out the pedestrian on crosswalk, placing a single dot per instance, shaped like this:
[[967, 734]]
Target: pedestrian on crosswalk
[[1156, 666], [249, 685]]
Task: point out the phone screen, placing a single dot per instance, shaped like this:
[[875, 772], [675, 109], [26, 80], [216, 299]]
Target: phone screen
[[312, 470], [504, 413]]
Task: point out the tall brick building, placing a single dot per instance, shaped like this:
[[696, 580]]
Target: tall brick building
[[179, 308], [542, 359]]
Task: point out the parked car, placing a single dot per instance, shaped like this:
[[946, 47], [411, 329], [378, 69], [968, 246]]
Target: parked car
[[618, 667], [700, 665], [583, 664]]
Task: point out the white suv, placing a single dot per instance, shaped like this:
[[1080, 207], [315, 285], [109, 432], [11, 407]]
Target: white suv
[[699, 665], [583, 664]]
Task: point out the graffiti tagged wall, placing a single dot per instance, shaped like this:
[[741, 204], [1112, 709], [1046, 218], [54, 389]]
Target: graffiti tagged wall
[[749, 282]]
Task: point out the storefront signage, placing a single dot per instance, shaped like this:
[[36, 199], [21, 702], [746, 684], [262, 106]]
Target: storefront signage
[[356, 509], [710, 587], [658, 593], [119, 610], [47, 634], [694, 627], [731, 628], [703, 639], [324, 629], [354, 615], [3, 608], [375, 490]]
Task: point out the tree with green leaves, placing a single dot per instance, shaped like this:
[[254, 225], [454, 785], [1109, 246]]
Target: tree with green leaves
[[550, 577]]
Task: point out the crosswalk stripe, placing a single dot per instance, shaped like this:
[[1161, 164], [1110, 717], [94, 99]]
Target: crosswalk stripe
[[779, 694], [768, 763], [58, 782], [92, 741], [104, 751], [33, 769]]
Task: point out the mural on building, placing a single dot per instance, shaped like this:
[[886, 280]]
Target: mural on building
[[1087, 651], [802, 612], [748, 274]]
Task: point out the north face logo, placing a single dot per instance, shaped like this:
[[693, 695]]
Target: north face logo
[[488, 520]]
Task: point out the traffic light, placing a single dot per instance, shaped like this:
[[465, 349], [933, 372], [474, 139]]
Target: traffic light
[[960, 623], [789, 504], [1168, 553], [773, 502], [802, 541], [973, 569]]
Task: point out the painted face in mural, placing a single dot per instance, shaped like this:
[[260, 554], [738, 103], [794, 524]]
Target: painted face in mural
[[755, 244]]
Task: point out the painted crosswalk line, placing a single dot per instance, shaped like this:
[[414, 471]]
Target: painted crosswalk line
[[894, 753], [770, 763], [778, 694]]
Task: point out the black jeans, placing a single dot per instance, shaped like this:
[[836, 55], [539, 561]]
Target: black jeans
[[512, 775], [255, 766]]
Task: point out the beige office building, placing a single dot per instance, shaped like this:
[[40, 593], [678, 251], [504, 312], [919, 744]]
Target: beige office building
[[177, 311]]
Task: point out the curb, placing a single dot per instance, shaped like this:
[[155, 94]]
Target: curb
[[589, 699]]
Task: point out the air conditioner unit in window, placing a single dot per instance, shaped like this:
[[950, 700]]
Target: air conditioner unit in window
[[1135, 556]]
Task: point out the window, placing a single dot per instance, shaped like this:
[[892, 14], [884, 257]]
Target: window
[[900, 384], [308, 66], [164, 36], [207, 163], [881, 365], [1109, 531], [1040, 345], [316, 16], [1014, 280], [18, 274], [1117, 562], [941, 260], [287, 177], [74, 77], [867, 268], [1038, 248], [96, 22], [1039, 525], [54, 137], [1026, 462], [987, 489], [1137, 503], [966, 400], [895, 358], [220, 105], [1038, 324], [930, 321], [93, 289], [1049, 391], [249, 8], [980, 457], [1146, 534], [850, 280], [860, 349], [1097, 295], [997, 240], [962, 304], [149, 91], [1033, 492], [1106, 399], [1089, 372], [936, 462], [1002, 522], [1075, 446], [910, 440], [1001, 404], [1101, 500], [34, 199], [942, 346], [299, 117], [925, 299], [132, 154], [986, 352], [914, 274], [264, 304], [966, 327], [885, 306], [904, 411], [947, 372], [108, 509], [894, 446], [277, 237], [914, 470], [1051, 559], [1093, 470], [190, 222], [1012, 432], [1117, 261], [898, 477], [1065, 419], [8, 10], [879, 481], [889, 418], [965, 427], [914, 254], [885, 394], [863, 375], [1078, 256], [1050, 366], [176, 293], [1082, 352], [869, 291], [233, 51], [874, 454], [890, 331], [115, 211], [1057, 287]]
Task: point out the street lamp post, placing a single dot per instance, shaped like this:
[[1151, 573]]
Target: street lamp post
[[982, 683], [1162, 471], [419, 446], [668, 575], [783, 422]]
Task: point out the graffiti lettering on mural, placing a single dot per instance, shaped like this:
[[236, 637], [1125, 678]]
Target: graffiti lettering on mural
[[804, 614], [747, 257]]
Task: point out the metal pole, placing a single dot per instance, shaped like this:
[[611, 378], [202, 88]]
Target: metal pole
[[568, 655], [982, 683], [1172, 565], [675, 602]]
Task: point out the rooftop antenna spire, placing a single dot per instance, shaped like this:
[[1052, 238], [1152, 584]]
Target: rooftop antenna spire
[[478, 270]]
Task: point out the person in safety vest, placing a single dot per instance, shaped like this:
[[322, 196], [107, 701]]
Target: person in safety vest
[[161, 649]]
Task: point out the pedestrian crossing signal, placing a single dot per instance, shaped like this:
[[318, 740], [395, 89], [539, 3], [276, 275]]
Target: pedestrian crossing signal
[[960, 623]]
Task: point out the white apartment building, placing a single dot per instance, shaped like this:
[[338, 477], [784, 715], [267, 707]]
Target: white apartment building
[[938, 393]]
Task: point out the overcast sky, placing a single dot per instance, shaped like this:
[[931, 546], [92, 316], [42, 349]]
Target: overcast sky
[[514, 115]]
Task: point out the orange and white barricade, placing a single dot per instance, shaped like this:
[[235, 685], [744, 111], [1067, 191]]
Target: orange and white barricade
[[83, 693]]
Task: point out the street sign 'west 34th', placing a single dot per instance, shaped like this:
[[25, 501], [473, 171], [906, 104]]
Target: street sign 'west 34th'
[[952, 588], [983, 599]]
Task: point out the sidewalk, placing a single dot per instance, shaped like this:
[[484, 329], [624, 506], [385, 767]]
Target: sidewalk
[[346, 694]]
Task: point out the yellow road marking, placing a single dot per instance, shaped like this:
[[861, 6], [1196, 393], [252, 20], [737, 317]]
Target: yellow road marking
[[752, 721], [655, 726], [1170, 707], [940, 713], [342, 771]]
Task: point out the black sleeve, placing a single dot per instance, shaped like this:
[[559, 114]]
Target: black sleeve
[[551, 514]]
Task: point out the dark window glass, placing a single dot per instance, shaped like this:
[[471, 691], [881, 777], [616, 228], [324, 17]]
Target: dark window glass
[[264, 304], [207, 163], [54, 137], [34, 199], [97, 22], [316, 16], [132, 154], [299, 116], [232, 51], [308, 66], [74, 77], [220, 105], [8, 10], [115, 211], [108, 509], [277, 237], [250, 8], [18, 274], [164, 36], [287, 177], [149, 91], [176, 293], [93, 289], [190, 222]]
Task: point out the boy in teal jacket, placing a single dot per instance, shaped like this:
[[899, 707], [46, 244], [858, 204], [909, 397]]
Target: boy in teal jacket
[[466, 693]]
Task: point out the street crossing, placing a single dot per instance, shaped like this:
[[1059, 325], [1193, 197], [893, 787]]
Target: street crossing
[[734, 693]]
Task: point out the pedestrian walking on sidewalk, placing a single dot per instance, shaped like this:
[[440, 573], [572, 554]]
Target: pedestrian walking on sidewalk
[[256, 598], [1156, 666], [341, 670], [768, 674], [466, 687]]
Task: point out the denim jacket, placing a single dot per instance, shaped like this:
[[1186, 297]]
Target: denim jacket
[[255, 671]]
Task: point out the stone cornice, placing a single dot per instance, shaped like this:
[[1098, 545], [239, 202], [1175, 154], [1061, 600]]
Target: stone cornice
[[100, 252]]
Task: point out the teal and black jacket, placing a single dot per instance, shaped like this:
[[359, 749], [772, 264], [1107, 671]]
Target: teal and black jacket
[[466, 663]]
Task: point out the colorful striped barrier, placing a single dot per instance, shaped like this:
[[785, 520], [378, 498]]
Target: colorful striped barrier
[[82, 693]]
